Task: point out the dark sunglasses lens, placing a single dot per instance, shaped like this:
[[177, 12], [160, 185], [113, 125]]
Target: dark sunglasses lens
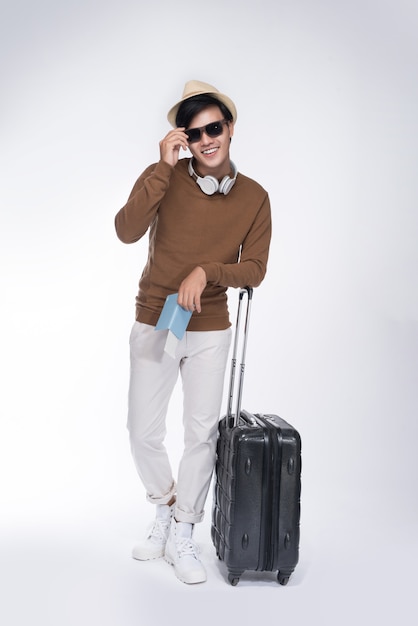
[[214, 129], [193, 134]]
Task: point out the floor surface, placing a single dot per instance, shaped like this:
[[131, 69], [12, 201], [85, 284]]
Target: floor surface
[[79, 572]]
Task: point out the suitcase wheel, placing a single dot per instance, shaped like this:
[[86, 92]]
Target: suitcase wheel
[[233, 579], [283, 578]]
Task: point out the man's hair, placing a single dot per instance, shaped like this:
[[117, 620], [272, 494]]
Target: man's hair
[[194, 105]]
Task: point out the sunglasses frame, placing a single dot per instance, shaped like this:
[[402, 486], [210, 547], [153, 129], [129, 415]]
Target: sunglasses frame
[[205, 129]]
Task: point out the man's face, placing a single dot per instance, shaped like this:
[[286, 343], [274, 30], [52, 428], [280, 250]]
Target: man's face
[[211, 154]]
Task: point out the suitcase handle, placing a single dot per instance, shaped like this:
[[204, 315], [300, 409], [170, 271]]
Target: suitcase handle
[[232, 420], [249, 418]]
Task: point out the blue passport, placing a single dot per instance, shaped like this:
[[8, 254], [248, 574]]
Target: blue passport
[[173, 317]]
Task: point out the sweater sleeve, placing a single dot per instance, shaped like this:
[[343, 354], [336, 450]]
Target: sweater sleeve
[[251, 267], [134, 219]]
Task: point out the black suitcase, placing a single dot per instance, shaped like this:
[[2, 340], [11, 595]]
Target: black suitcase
[[256, 500]]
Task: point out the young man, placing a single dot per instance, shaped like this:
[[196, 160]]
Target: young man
[[209, 229]]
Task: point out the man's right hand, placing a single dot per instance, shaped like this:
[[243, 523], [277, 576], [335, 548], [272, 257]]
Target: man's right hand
[[171, 144]]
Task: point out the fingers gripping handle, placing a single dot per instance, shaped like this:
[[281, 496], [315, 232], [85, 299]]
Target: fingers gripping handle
[[233, 418]]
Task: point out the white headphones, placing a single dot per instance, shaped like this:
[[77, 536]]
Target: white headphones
[[209, 184]]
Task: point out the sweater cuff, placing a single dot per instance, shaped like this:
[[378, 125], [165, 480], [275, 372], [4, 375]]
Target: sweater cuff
[[163, 169], [211, 271]]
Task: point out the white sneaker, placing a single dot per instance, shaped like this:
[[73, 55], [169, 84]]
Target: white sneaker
[[153, 546], [182, 552]]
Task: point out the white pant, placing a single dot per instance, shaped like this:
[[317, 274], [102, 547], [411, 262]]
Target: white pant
[[201, 359]]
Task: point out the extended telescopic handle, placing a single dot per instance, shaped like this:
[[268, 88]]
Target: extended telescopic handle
[[233, 419]]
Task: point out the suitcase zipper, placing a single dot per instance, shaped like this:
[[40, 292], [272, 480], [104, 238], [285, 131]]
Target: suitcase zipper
[[272, 495]]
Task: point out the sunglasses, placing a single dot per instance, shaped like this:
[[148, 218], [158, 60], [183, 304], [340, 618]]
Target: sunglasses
[[214, 129]]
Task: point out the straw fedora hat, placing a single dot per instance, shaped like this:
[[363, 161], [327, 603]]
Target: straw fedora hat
[[196, 88]]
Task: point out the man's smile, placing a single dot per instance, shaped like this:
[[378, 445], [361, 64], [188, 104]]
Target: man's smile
[[210, 151]]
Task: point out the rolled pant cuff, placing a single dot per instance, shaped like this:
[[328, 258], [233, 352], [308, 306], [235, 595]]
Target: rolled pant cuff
[[191, 518], [165, 499]]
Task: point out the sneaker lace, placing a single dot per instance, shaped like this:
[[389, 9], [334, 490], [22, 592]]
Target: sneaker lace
[[187, 547], [159, 530]]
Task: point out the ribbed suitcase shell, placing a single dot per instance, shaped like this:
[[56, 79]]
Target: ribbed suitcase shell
[[256, 506]]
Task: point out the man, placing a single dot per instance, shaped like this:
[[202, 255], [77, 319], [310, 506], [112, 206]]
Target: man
[[209, 229]]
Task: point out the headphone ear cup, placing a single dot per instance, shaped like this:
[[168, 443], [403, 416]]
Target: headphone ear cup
[[208, 184], [223, 184], [226, 185]]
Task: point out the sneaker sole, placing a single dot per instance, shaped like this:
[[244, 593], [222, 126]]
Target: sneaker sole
[[190, 581], [148, 558]]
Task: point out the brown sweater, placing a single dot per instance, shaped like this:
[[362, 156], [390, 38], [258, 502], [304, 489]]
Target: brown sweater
[[228, 236]]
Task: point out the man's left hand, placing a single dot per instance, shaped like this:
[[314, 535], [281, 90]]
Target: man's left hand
[[191, 289]]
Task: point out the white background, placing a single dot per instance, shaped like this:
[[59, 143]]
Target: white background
[[327, 94]]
